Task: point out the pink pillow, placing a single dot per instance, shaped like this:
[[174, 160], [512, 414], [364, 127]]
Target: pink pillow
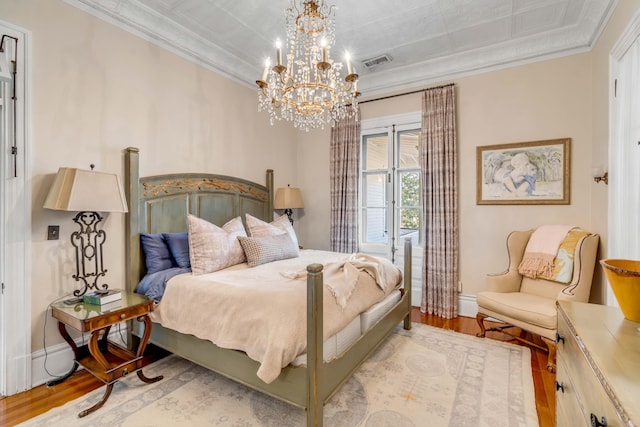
[[212, 248], [280, 225]]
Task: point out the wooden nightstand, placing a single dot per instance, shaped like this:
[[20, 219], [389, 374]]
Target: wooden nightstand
[[105, 359]]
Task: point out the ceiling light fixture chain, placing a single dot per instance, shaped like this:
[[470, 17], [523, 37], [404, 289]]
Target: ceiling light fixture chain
[[309, 91]]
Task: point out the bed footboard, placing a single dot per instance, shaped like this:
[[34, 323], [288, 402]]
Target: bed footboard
[[325, 379]]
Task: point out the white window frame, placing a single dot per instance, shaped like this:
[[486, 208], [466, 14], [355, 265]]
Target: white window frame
[[402, 122]]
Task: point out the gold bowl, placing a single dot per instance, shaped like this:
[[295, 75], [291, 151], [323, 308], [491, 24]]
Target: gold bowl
[[624, 277]]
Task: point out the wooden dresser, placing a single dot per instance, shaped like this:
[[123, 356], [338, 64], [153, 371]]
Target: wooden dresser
[[598, 366]]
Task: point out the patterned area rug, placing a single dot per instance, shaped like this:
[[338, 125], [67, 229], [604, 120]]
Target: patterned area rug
[[423, 377]]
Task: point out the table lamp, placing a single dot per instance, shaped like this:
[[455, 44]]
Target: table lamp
[[87, 192], [288, 198]]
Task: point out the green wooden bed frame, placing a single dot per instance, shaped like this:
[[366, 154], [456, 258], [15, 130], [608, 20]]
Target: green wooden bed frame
[[160, 204]]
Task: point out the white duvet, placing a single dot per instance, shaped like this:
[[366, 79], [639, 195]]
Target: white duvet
[[262, 310]]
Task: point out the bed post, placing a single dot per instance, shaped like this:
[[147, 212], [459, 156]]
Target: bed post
[[269, 184], [408, 256], [315, 352], [132, 242]]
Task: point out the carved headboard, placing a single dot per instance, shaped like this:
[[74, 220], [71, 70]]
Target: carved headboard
[[159, 204]]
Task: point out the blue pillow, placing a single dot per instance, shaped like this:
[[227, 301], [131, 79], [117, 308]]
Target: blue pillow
[[153, 285], [157, 255], [179, 246]]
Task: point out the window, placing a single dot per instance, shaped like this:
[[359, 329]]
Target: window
[[390, 187]]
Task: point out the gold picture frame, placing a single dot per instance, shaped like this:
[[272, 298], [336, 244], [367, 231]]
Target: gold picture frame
[[524, 173]]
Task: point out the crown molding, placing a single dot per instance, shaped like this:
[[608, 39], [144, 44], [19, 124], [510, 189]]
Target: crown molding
[[136, 18], [143, 22]]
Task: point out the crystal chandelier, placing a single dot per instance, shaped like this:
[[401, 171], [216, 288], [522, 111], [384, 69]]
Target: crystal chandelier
[[309, 90]]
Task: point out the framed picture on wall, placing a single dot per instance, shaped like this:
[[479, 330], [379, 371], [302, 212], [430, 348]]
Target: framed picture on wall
[[524, 173]]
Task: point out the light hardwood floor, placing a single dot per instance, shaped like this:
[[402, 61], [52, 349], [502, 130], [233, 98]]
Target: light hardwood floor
[[20, 407]]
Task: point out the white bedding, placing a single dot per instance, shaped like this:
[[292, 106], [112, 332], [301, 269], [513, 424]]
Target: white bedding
[[260, 311]]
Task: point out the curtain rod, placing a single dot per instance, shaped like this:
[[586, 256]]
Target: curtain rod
[[406, 93]]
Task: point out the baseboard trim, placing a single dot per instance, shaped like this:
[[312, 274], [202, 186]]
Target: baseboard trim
[[57, 360], [467, 305]]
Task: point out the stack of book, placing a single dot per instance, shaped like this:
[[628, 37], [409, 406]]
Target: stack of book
[[107, 299]]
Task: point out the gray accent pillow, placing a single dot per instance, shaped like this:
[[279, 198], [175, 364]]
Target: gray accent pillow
[[212, 248], [261, 250]]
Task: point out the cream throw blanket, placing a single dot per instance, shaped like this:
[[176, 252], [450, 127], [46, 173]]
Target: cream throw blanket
[[260, 312], [341, 277], [541, 250]]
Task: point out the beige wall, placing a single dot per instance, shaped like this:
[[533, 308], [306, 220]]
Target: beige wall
[[312, 227], [545, 100], [566, 97], [97, 90]]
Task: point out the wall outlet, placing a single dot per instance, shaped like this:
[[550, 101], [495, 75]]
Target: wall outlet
[[53, 232]]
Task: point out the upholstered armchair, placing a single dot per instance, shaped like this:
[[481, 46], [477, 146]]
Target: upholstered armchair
[[530, 304]]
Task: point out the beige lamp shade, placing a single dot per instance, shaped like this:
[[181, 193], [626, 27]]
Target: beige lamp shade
[[86, 190], [288, 198]]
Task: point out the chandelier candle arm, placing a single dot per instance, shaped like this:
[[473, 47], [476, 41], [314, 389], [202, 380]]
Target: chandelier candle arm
[[325, 51], [324, 64], [278, 52], [265, 73]]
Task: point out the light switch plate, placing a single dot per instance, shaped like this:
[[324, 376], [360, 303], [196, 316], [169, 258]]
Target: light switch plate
[[53, 232]]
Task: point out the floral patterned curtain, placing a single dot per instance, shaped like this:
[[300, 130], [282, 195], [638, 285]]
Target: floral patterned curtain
[[345, 161], [439, 180]]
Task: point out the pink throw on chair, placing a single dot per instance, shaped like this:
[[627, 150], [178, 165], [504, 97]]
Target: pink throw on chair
[[542, 249]]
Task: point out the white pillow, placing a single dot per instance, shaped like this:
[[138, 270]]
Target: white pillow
[[212, 248], [261, 250], [280, 225]]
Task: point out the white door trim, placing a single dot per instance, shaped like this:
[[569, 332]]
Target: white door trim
[[15, 232], [623, 220]]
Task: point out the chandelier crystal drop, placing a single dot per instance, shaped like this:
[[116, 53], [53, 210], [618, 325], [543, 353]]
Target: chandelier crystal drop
[[309, 89]]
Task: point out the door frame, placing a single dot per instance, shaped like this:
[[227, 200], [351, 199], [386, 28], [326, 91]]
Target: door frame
[[619, 163], [15, 232], [383, 124]]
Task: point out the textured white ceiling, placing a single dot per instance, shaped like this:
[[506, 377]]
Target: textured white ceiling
[[428, 40]]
